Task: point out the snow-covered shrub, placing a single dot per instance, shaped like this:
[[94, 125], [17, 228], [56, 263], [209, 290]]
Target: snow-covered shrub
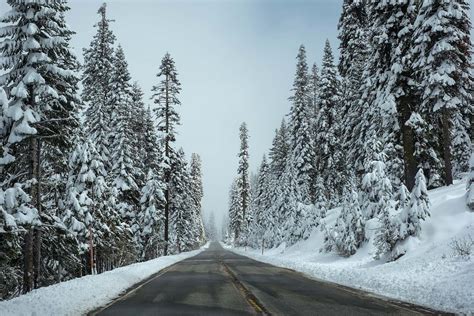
[[462, 247]]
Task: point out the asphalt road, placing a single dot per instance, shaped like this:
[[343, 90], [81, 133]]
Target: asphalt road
[[219, 282]]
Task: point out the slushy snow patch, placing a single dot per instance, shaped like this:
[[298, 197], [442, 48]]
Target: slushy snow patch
[[429, 274], [82, 295]]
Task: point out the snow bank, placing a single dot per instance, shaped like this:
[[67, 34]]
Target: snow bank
[[429, 274], [82, 295]]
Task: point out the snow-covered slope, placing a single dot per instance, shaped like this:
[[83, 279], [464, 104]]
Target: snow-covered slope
[[82, 295], [428, 274]]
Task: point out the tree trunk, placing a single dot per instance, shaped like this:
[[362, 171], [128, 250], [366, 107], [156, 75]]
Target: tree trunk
[[448, 168], [37, 201], [168, 172], [408, 139], [28, 262]]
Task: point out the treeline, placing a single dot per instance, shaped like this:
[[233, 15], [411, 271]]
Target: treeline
[[88, 182], [370, 135]]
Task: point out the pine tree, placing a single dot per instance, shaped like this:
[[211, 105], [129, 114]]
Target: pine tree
[[243, 183], [443, 63], [417, 209], [88, 210], [350, 224], [41, 83], [97, 81], [287, 208], [329, 157], [150, 221], [279, 151], [352, 59], [235, 214], [197, 193], [389, 98], [165, 97], [376, 186], [123, 174], [261, 206], [300, 128]]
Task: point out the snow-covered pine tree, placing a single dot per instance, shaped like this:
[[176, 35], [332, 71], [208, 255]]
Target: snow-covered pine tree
[[376, 186], [97, 82], [389, 96], [243, 183], [288, 209], [279, 151], [300, 129], [181, 206], [314, 91], [320, 203], [146, 148], [402, 197], [165, 97], [418, 208], [235, 212], [150, 221], [40, 80], [16, 215], [387, 234], [444, 71], [88, 213], [354, 50], [350, 224], [124, 172], [197, 193], [261, 206], [328, 146]]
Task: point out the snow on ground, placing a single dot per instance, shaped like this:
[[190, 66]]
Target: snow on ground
[[82, 295], [428, 274]]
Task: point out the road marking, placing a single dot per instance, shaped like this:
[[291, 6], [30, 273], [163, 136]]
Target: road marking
[[249, 297]]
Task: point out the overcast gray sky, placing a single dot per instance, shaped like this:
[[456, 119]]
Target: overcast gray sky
[[236, 61]]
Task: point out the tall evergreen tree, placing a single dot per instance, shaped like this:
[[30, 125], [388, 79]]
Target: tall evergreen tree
[[97, 82], [197, 193], [235, 212], [150, 221], [243, 182], [123, 174], [443, 69], [165, 97], [300, 128], [388, 94], [329, 159], [40, 81], [352, 59]]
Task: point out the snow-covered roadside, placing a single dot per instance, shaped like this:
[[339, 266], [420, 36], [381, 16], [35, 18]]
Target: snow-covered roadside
[[428, 274], [82, 295]]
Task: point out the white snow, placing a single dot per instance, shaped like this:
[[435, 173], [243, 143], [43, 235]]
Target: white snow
[[429, 274], [82, 295]]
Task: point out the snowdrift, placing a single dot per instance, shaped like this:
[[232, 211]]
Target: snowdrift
[[431, 273], [82, 295]]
